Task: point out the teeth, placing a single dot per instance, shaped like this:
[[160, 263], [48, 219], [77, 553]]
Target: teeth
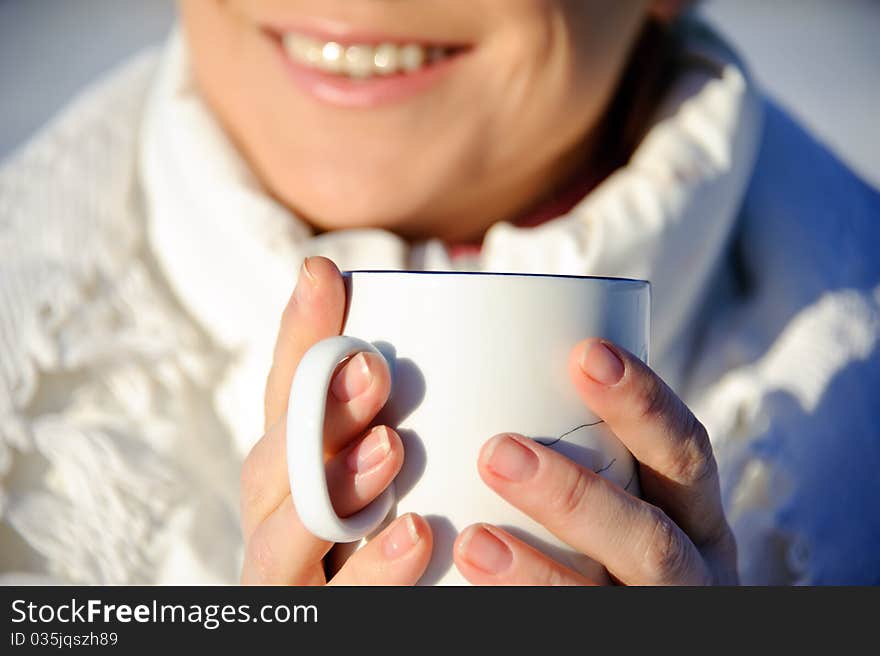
[[411, 57], [360, 60], [386, 59], [332, 57]]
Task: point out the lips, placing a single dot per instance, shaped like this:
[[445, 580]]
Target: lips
[[363, 72]]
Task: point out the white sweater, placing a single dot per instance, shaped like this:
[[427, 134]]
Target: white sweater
[[143, 271]]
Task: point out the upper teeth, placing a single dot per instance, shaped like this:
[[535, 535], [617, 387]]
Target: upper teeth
[[359, 60]]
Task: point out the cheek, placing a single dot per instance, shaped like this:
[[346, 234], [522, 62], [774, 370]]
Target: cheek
[[541, 104], [553, 73], [239, 74], [220, 53]]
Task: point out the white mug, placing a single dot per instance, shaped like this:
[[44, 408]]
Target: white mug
[[471, 355]]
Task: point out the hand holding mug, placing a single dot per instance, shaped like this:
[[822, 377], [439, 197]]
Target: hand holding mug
[[360, 461], [677, 533]]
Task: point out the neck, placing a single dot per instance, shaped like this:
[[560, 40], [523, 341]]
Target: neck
[[509, 198]]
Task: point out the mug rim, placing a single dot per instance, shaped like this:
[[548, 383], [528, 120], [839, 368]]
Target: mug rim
[[348, 273]]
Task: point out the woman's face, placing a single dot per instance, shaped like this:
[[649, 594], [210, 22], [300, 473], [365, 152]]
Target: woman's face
[[426, 117]]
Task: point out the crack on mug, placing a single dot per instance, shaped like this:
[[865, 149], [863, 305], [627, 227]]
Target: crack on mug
[[553, 441]]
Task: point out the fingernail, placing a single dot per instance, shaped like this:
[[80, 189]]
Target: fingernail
[[305, 282], [485, 551], [602, 364], [353, 379], [509, 459], [372, 450], [403, 536]]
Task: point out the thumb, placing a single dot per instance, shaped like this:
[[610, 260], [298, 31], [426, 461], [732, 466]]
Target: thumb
[[314, 312]]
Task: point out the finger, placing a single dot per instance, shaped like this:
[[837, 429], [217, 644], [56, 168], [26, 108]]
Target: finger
[[487, 555], [637, 542], [396, 556], [281, 550], [358, 390], [358, 474], [314, 312], [678, 470], [355, 476]]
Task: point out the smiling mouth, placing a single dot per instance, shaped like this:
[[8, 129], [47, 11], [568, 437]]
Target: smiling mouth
[[363, 60], [350, 68]]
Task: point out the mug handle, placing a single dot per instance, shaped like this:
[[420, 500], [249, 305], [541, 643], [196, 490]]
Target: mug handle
[[305, 446]]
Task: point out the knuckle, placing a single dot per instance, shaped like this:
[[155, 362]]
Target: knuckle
[[696, 462], [654, 400], [572, 492], [665, 553], [691, 456]]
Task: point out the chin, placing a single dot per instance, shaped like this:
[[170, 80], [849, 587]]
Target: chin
[[330, 198], [354, 210]]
